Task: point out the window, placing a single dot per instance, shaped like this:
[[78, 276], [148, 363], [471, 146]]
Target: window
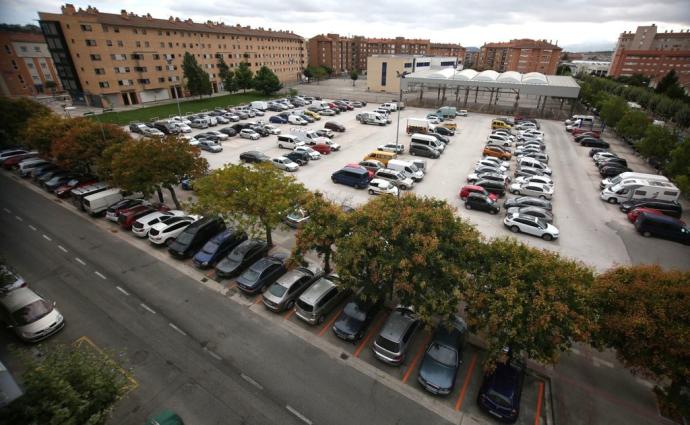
[[103, 84], [156, 56], [116, 29], [22, 48], [119, 43], [90, 43], [8, 49], [139, 69], [146, 44], [30, 65], [138, 43], [86, 28], [144, 81], [99, 71], [109, 43], [384, 69], [95, 57]]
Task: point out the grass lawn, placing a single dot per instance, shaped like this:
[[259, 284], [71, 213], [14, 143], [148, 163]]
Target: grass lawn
[[187, 106]]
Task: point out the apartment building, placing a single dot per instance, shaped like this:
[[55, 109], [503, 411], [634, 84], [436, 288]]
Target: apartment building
[[448, 49], [652, 54], [108, 59], [522, 55], [343, 54], [25, 63]]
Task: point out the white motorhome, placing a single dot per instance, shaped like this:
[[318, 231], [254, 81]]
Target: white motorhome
[[418, 125], [406, 166], [632, 189], [99, 202], [391, 106], [609, 181]]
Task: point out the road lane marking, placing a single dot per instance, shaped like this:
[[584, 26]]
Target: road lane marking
[[7, 211], [576, 351], [212, 354], [416, 358], [374, 329], [62, 248], [18, 218], [540, 396], [180, 331], [601, 362], [466, 383], [100, 275], [298, 414], [32, 228], [80, 261], [147, 308], [251, 381], [46, 237], [258, 299], [330, 322], [122, 290]]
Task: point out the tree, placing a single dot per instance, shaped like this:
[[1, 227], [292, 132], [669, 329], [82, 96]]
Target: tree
[[15, 113], [230, 82], [667, 82], [256, 197], [644, 316], [679, 165], [223, 69], [533, 301], [40, 131], [633, 125], [564, 70], [66, 385], [266, 81], [328, 70], [682, 116], [612, 110], [307, 72], [412, 250], [244, 77], [657, 143], [318, 73], [326, 223], [354, 75], [198, 82]]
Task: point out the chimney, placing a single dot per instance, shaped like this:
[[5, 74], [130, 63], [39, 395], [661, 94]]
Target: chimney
[[123, 13], [68, 9], [149, 17]]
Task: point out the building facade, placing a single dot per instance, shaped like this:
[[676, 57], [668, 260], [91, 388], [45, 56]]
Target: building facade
[[520, 55], [384, 71], [107, 59], [448, 49], [26, 66], [652, 54]]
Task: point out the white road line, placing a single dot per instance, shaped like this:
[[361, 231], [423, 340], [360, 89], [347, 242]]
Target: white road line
[[62, 248], [601, 362], [576, 351], [645, 382], [46, 237], [122, 290], [180, 331], [7, 211], [80, 261], [100, 275], [147, 308], [18, 218], [32, 228], [214, 355], [251, 381], [298, 414]]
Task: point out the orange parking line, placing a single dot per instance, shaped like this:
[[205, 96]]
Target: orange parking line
[[330, 322], [412, 365], [289, 314], [372, 332], [466, 383], [540, 397], [259, 299]]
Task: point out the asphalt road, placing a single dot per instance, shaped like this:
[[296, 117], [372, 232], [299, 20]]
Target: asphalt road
[[189, 348]]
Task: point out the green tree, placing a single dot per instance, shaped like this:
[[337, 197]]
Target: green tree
[[257, 197], [682, 116], [230, 82], [244, 77], [667, 82], [412, 250], [66, 385], [223, 68], [633, 125], [266, 81], [644, 316], [307, 72], [326, 223], [564, 70], [533, 301], [328, 70], [679, 165], [657, 143], [612, 110], [319, 73], [354, 76], [197, 79], [40, 131], [15, 114]]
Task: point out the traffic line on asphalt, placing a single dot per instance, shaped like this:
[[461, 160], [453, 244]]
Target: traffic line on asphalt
[[298, 414], [147, 308], [32, 228], [466, 383], [122, 290], [330, 322], [601, 362], [212, 354], [7, 211], [540, 399], [18, 218], [80, 261], [99, 274], [62, 248], [178, 330], [251, 381], [374, 329], [46, 237], [416, 358], [289, 314]]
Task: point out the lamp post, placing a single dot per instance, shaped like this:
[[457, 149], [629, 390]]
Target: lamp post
[[177, 96], [397, 130]]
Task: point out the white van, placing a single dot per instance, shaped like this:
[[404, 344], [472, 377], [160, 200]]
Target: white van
[[630, 175], [431, 141], [371, 118], [406, 166], [632, 189], [260, 105], [26, 166], [99, 202], [199, 123], [289, 141], [390, 106]]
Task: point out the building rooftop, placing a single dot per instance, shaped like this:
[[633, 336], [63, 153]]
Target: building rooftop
[[524, 43]]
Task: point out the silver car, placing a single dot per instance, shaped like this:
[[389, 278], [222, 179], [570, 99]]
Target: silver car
[[283, 293], [30, 316]]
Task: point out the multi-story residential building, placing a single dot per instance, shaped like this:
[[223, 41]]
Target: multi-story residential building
[[652, 54], [448, 49], [343, 54], [520, 55], [470, 59], [122, 59], [25, 63]]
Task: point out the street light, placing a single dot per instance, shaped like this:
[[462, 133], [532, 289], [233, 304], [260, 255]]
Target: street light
[[397, 131], [177, 96]]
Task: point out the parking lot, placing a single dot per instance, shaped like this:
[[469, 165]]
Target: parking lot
[[590, 230]]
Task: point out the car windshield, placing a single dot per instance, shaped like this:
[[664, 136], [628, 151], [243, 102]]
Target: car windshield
[[237, 255], [185, 238], [296, 215], [277, 290], [32, 312], [443, 354], [499, 399], [542, 224], [251, 275], [210, 247], [353, 310]]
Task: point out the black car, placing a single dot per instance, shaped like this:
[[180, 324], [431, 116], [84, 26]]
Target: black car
[[501, 390], [195, 236], [261, 274], [263, 132], [332, 125], [300, 158], [443, 131], [355, 318], [240, 257], [253, 156], [612, 170], [595, 151], [443, 139], [442, 360], [612, 162], [594, 143], [527, 201], [42, 169], [229, 131], [423, 150], [670, 208], [664, 227], [481, 202], [528, 171], [492, 186], [239, 126]]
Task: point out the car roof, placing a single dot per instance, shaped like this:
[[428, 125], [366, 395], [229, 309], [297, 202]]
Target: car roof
[[451, 337], [398, 322], [18, 298], [477, 195], [248, 244], [289, 278], [318, 289], [504, 380], [659, 218]]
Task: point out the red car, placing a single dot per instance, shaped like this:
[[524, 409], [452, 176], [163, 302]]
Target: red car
[[12, 161], [633, 214], [322, 148], [129, 216], [359, 167], [470, 188], [594, 133], [64, 190]]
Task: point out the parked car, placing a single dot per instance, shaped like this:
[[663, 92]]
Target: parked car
[[531, 225], [209, 146], [442, 359], [334, 126], [299, 158], [143, 224], [283, 293], [662, 226], [248, 133], [324, 132], [537, 212], [594, 143], [392, 147], [320, 299], [470, 188], [443, 131], [670, 208], [284, 163], [195, 236], [489, 175], [30, 316], [229, 131], [277, 119], [113, 211], [11, 280], [500, 392], [398, 178], [240, 257], [395, 337], [546, 180], [634, 214], [218, 247], [496, 151], [524, 171], [382, 187], [322, 148], [165, 232], [527, 201], [372, 165], [129, 216], [253, 156], [261, 274], [492, 186], [423, 150], [481, 202], [538, 190], [355, 318], [296, 218]]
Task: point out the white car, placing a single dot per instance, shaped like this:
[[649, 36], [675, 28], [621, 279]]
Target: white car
[[258, 112], [142, 226], [603, 155], [483, 163], [272, 129], [247, 133], [462, 113], [294, 119], [531, 133], [538, 190], [531, 225], [434, 120], [210, 146], [232, 117], [285, 164], [382, 187], [311, 152], [151, 132], [326, 141], [492, 160], [181, 120], [164, 233], [392, 147], [184, 128], [218, 134], [190, 139], [499, 139], [30, 317], [535, 179]]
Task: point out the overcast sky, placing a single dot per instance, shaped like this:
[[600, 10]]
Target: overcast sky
[[574, 24]]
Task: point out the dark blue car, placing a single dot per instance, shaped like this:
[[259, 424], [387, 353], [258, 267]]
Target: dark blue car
[[442, 359], [500, 392], [261, 274], [218, 247], [277, 119], [355, 318]]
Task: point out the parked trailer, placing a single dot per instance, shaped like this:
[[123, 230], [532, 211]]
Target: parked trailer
[[633, 189], [418, 125]]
